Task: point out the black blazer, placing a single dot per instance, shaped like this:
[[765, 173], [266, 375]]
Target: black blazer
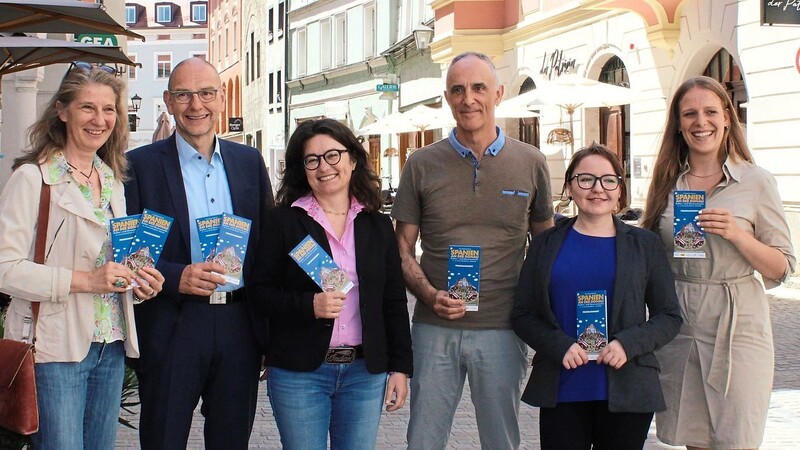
[[643, 276], [284, 293], [155, 182]]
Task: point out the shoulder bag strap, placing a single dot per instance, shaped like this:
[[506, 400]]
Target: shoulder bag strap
[[41, 240]]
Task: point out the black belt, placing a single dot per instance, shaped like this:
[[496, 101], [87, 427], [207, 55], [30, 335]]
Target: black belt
[[344, 355], [218, 298]]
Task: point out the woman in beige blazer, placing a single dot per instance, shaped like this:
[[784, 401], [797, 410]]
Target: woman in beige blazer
[[85, 323]]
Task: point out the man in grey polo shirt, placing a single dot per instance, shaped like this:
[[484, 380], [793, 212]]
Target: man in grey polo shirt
[[477, 187]]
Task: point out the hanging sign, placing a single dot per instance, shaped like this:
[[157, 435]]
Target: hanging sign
[[780, 12]]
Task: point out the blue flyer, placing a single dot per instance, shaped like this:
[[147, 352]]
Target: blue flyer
[[592, 321], [689, 239], [464, 274], [208, 231], [231, 248], [122, 232], [148, 241], [316, 262]]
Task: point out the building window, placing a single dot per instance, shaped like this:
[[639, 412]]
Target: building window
[[281, 13], [271, 89], [235, 36], [279, 96], [200, 55], [163, 65], [132, 69], [370, 33], [325, 44], [227, 45], [130, 14], [301, 52], [199, 12], [163, 13], [271, 23], [340, 40], [258, 59], [252, 58]]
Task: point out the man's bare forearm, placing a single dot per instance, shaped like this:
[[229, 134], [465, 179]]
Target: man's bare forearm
[[416, 281]]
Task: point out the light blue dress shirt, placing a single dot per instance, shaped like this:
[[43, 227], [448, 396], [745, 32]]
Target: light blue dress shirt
[[207, 190]]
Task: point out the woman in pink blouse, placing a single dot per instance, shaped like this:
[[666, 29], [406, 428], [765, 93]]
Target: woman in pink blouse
[[330, 350]]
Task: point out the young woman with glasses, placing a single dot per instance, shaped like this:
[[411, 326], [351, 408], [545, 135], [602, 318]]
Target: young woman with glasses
[[334, 358], [595, 298], [85, 322]]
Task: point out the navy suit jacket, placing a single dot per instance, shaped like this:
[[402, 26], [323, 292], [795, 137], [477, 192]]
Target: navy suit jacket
[[285, 294], [643, 278], [155, 182]]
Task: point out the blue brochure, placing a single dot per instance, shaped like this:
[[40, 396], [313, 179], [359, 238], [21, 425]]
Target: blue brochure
[[464, 274], [122, 231], [208, 231], [689, 239], [320, 266], [592, 321], [148, 241], [231, 248]]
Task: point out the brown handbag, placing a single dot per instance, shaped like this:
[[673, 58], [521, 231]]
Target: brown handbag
[[19, 410]]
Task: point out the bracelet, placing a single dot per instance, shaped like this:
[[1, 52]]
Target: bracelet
[[137, 300]]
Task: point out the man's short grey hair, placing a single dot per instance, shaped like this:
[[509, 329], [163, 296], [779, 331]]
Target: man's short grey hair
[[483, 57]]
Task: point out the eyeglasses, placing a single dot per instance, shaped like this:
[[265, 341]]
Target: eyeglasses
[[587, 181], [205, 95], [89, 66], [332, 157]]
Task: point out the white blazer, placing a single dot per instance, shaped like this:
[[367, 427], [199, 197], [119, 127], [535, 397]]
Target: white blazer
[[74, 240]]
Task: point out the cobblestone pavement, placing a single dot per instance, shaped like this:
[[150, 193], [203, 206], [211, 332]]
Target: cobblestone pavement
[[783, 421]]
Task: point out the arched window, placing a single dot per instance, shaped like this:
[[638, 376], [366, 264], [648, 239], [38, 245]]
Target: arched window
[[529, 126], [724, 69], [615, 121]]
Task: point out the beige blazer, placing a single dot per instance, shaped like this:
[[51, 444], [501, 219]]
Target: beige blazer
[[74, 239]]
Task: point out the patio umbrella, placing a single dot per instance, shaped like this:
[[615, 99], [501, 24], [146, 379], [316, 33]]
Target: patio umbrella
[[163, 128], [58, 16], [19, 53], [419, 118], [506, 110], [571, 92]]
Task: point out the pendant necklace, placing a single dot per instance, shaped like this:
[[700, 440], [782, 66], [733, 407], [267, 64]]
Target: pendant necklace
[[88, 177]]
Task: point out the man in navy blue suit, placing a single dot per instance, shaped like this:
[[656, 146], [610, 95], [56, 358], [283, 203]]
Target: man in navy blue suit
[[198, 336]]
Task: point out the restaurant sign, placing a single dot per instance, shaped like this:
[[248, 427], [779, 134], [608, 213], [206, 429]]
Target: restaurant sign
[[780, 12]]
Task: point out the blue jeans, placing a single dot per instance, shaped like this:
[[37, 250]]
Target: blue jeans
[[343, 399], [495, 362], [79, 401]]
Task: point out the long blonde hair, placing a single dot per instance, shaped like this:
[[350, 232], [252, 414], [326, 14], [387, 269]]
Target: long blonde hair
[[674, 151], [48, 135]]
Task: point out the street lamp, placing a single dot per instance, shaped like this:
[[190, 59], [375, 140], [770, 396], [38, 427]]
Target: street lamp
[[422, 36], [136, 103], [133, 118]]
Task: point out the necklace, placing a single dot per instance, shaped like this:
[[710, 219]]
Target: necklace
[[88, 177], [335, 213], [705, 176]]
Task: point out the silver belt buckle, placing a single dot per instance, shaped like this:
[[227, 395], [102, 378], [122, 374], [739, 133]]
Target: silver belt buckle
[[218, 298]]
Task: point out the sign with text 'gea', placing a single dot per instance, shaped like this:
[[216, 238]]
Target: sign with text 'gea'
[[108, 40]]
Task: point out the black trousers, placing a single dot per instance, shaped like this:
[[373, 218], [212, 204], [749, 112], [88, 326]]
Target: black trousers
[[590, 425], [213, 356]]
